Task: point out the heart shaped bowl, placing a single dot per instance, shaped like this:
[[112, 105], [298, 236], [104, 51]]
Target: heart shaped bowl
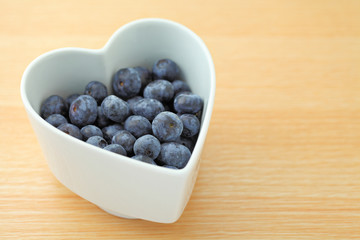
[[118, 184]]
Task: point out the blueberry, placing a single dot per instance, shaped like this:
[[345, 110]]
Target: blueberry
[[161, 90], [115, 108], [125, 139], [56, 119], [97, 90], [90, 130], [116, 148], [137, 125], [171, 167], [187, 142], [71, 98], [53, 104], [145, 76], [101, 120], [144, 158], [167, 126], [174, 154], [110, 131], [126, 83], [180, 86], [83, 111], [188, 103], [191, 125], [71, 129], [147, 145], [148, 108], [133, 101], [97, 141], [165, 69]]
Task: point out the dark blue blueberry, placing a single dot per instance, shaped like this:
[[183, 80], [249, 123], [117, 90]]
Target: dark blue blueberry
[[167, 126], [188, 103], [97, 90], [71, 98], [144, 158], [125, 139], [126, 83], [174, 154], [133, 101], [115, 108], [137, 125], [165, 69], [116, 148], [191, 125], [187, 142], [97, 141], [147, 145], [56, 119], [145, 76], [71, 129], [90, 130], [171, 167], [102, 120], [180, 86], [148, 108], [83, 111], [161, 90], [53, 104], [110, 131]]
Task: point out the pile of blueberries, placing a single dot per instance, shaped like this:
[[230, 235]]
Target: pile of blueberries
[[151, 116]]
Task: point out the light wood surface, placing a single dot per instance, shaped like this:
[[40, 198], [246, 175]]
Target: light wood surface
[[282, 156]]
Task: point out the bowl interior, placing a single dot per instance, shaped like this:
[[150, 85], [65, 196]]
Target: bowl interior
[[141, 43]]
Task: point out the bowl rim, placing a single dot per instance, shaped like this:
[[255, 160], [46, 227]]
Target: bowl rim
[[101, 51]]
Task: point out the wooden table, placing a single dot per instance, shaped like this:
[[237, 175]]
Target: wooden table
[[282, 156]]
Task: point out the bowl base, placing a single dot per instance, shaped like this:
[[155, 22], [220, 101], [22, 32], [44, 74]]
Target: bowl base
[[117, 214]]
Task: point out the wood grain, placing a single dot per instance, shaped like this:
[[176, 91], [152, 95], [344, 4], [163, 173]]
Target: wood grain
[[282, 156]]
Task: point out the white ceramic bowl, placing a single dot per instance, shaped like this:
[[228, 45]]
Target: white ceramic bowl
[[117, 184]]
